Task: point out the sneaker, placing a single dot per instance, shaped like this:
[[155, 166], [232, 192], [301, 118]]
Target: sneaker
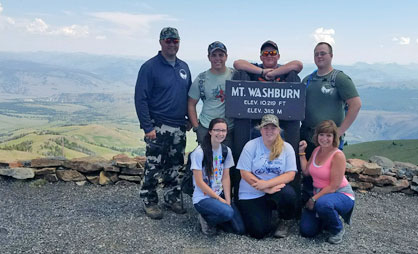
[[206, 229], [282, 229], [338, 238], [175, 207], [153, 211]]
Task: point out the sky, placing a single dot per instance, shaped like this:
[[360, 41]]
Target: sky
[[360, 31]]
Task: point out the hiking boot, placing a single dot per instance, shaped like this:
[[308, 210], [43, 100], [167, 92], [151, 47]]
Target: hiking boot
[[338, 238], [175, 207], [282, 229], [206, 229], [153, 211]]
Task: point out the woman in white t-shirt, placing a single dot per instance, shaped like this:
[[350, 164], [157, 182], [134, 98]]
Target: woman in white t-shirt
[[212, 192], [267, 164]]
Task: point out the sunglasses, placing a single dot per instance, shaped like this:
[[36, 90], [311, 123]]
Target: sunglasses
[[271, 53], [171, 40]]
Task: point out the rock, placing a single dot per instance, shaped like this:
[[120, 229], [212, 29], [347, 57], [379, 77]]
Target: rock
[[400, 185], [141, 160], [371, 169], [87, 164], [103, 179], [70, 175], [353, 170], [81, 183], [47, 162], [414, 188], [123, 161], [415, 179], [16, 164], [45, 171], [51, 178], [357, 163], [130, 178], [405, 170], [384, 162], [379, 181], [408, 191], [111, 168], [132, 171], [18, 173], [361, 185], [94, 179]]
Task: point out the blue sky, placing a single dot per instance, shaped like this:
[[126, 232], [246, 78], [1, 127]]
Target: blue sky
[[360, 31]]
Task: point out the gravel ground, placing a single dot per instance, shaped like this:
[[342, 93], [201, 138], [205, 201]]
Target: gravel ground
[[66, 218]]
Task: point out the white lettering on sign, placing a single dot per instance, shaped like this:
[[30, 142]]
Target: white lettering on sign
[[271, 93], [237, 91]]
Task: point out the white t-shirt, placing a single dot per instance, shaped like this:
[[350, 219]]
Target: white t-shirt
[[218, 168], [255, 159]]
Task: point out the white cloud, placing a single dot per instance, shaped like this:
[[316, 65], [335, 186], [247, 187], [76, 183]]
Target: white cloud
[[322, 34], [402, 40], [72, 31], [131, 23], [1, 8], [37, 26]]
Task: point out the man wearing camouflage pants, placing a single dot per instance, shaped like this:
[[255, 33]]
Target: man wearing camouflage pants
[[161, 105]]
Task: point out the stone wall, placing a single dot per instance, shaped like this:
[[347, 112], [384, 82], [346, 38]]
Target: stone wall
[[378, 174]]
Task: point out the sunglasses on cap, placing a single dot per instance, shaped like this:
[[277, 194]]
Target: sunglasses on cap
[[271, 53], [171, 40]]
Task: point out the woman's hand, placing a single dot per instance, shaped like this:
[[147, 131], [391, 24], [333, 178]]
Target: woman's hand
[[223, 200], [302, 146], [260, 185], [274, 189], [310, 204]]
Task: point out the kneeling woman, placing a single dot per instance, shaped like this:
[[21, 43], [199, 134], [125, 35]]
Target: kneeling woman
[[267, 164], [333, 195], [212, 192]]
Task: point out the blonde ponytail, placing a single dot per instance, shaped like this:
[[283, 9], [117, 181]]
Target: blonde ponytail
[[277, 148]]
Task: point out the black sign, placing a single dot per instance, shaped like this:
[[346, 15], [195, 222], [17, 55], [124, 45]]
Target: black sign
[[253, 99]]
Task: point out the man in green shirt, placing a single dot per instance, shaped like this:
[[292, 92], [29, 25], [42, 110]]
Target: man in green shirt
[[209, 86]]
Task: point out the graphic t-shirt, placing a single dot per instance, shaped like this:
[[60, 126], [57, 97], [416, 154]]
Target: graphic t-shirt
[[255, 159], [218, 169]]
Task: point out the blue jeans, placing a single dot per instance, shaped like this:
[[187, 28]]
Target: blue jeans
[[325, 214], [216, 212]]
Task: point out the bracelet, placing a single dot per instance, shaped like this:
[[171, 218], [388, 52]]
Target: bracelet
[[302, 154], [313, 199]]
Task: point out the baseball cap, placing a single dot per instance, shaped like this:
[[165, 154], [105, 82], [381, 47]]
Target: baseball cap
[[269, 119], [269, 43], [216, 45], [169, 32]]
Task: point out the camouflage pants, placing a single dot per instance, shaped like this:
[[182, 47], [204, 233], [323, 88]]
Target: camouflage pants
[[165, 158]]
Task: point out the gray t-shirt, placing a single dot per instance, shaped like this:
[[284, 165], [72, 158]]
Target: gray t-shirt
[[214, 104]]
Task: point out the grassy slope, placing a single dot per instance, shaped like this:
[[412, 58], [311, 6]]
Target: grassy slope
[[396, 150]]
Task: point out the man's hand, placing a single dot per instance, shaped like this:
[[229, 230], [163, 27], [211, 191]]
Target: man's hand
[[310, 204], [189, 125], [151, 135], [302, 146], [274, 189], [268, 74]]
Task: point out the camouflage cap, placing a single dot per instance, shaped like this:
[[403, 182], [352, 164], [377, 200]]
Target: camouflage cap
[[216, 45], [269, 43], [269, 119], [169, 32]]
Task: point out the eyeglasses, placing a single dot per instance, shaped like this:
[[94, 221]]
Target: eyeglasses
[[322, 53], [220, 130], [171, 40], [271, 53]]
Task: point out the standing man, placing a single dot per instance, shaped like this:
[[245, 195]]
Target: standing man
[[330, 95], [328, 91], [161, 105], [209, 86]]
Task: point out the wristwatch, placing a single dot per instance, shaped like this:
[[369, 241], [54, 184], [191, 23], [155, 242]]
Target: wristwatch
[[313, 199]]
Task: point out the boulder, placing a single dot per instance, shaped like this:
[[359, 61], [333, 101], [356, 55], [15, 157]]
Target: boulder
[[45, 171], [357, 163], [130, 178], [94, 179], [386, 164], [18, 173], [361, 185], [103, 179], [415, 179], [70, 175], [47, 162], [87, 164], [81, 183], [400, 185], [379, 181], [16, 164], [405, 170], [371, 169], [123, 161], [132, 171], [352, 170], [111, 168]]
